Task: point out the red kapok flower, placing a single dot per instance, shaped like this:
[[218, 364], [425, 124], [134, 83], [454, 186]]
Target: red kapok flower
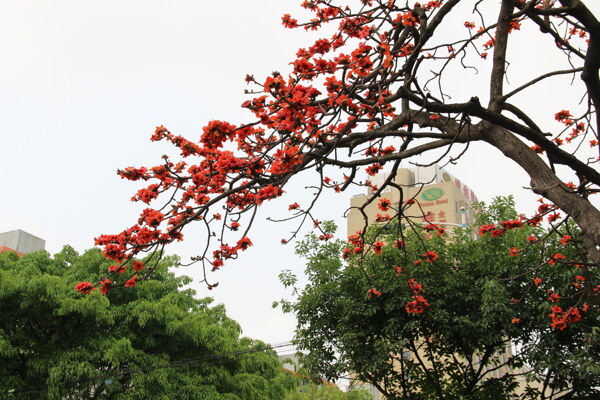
[[346, 253], [513, 252], [553, 217], [85, 287], [563, 116], [131, 282], [105, 285], [414, 286], [555, 258], [430, 256], [373, 169], [244, 243], [417, 306], [483, 229], [573, 315], [119, 269], [373, 293], [566, 239], [137, 266], [384, 204], [399, 244], [378, 247], [554, 297], [537, 148]]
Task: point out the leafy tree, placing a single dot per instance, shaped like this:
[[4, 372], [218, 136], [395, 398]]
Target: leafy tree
[[313, 391], [154, 341], [448, 315], [389, 81]]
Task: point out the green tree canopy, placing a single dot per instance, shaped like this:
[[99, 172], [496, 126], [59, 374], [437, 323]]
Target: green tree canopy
[[482, 313], [152, 341], [313, 391]]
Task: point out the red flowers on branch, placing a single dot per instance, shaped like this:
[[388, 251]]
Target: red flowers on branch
[[417, 306]]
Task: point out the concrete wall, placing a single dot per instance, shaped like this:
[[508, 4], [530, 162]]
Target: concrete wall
[[22, 241]]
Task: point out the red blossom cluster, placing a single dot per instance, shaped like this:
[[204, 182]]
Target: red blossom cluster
[[357, 244], [560, 318], [430, 256], [378, 247], [342, 94], [417, 306]]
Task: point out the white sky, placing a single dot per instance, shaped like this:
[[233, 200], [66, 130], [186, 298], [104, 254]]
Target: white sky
[[83, 84]]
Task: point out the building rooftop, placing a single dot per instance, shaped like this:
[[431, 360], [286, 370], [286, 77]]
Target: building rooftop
[[21, 242]]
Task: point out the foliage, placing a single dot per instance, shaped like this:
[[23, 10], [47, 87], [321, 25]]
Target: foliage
[[154, 341], [463, 314], [312, 391], [386, 83]]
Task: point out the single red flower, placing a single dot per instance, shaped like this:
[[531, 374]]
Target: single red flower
[[573, 315], [430, 256], [378, 247], [137, 266], [105, 285], [244, 243], [417, 306], [119, 269], [373, 169], [85, 287], [399, 244], [346, 253], [131, 282], [563, 116], [554, 297], [566, 239], [414, 286], [555, 258], [483, 229], [538, 149], [384, 204], [497, 232], [373, 293], [553, 217]]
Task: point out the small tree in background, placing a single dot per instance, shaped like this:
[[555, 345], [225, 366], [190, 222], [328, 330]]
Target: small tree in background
[[479, 314], [154, 341]]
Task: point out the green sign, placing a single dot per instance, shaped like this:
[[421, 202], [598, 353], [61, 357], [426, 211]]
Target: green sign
[[432, 194]]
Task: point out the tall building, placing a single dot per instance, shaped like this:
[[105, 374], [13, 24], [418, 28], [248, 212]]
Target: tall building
[[435, 194], [21, 242]]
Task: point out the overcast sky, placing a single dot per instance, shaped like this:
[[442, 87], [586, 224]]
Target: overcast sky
[[83, 84]]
